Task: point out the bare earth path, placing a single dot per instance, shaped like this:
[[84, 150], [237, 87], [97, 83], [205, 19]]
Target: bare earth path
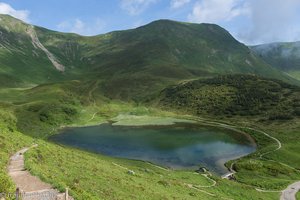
[[290, 192], [31, 187]]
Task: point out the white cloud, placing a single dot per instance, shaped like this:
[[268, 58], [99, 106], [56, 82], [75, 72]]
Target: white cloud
[[80, 27], [272, 21], [8, 10], [215, 11], [175, 4], [257, 21], [135, 7]]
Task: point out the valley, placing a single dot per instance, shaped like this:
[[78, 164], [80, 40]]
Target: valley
[[162, 73]]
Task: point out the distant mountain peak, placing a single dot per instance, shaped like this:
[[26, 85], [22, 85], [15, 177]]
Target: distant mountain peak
[[12, 24]]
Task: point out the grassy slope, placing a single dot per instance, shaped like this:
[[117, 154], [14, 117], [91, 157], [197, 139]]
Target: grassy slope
[[232, 95], [61, 166], [265, 173], [41, 110], [126, 62], [250, 101], [104, 180], [10, 142], [275, 170], [153, 56], [21, 63]]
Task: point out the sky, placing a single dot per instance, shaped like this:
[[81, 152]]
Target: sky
[[249, 21]]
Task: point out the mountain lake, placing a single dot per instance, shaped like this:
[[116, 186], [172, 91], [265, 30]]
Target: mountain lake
[[179, 146]]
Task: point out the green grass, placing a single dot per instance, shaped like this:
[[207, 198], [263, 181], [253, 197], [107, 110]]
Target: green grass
[[275, 170], [144, 120], [63, 166], [298, 196], [43, 109], [11, 141], [294, 73], [251, 171]]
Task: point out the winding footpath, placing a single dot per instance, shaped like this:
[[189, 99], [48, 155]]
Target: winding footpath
[[290, 192], [31, 187], [191, 186], [279, 145], [287, 194]]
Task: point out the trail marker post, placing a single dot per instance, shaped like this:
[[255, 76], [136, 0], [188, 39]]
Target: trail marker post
[[67, 194], [18, 194]]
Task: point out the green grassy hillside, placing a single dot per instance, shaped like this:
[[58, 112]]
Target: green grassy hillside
[[231, 95], [108, 178], [21, 63], [125, 62], [11, 141], [283, 56], [155, 55]]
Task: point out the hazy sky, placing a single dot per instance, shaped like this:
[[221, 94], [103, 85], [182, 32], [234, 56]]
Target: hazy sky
[[250, 21]]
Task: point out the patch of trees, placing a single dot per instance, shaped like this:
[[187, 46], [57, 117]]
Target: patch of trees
[[244, 95]]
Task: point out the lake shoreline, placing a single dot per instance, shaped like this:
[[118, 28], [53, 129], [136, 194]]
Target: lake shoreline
[[153, 134]]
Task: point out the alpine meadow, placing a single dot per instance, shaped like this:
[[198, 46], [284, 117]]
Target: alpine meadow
[[215, 119]]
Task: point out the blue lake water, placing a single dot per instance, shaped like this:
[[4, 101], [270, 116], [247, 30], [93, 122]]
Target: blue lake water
[[180, 146]]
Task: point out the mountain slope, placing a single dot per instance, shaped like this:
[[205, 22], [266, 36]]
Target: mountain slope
[[21, 60], [283, 56], [126, 63], [187, 49]]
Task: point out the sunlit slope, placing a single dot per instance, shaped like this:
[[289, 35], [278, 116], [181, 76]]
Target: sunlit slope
[[162, 48], [22, 63], [126, 62]]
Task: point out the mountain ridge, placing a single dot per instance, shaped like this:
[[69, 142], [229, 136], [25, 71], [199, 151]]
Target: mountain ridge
[[152, 56]]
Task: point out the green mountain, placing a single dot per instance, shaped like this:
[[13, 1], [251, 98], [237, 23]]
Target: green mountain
[[283, 56], [21, 60], [124, 62], [72, 73]]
